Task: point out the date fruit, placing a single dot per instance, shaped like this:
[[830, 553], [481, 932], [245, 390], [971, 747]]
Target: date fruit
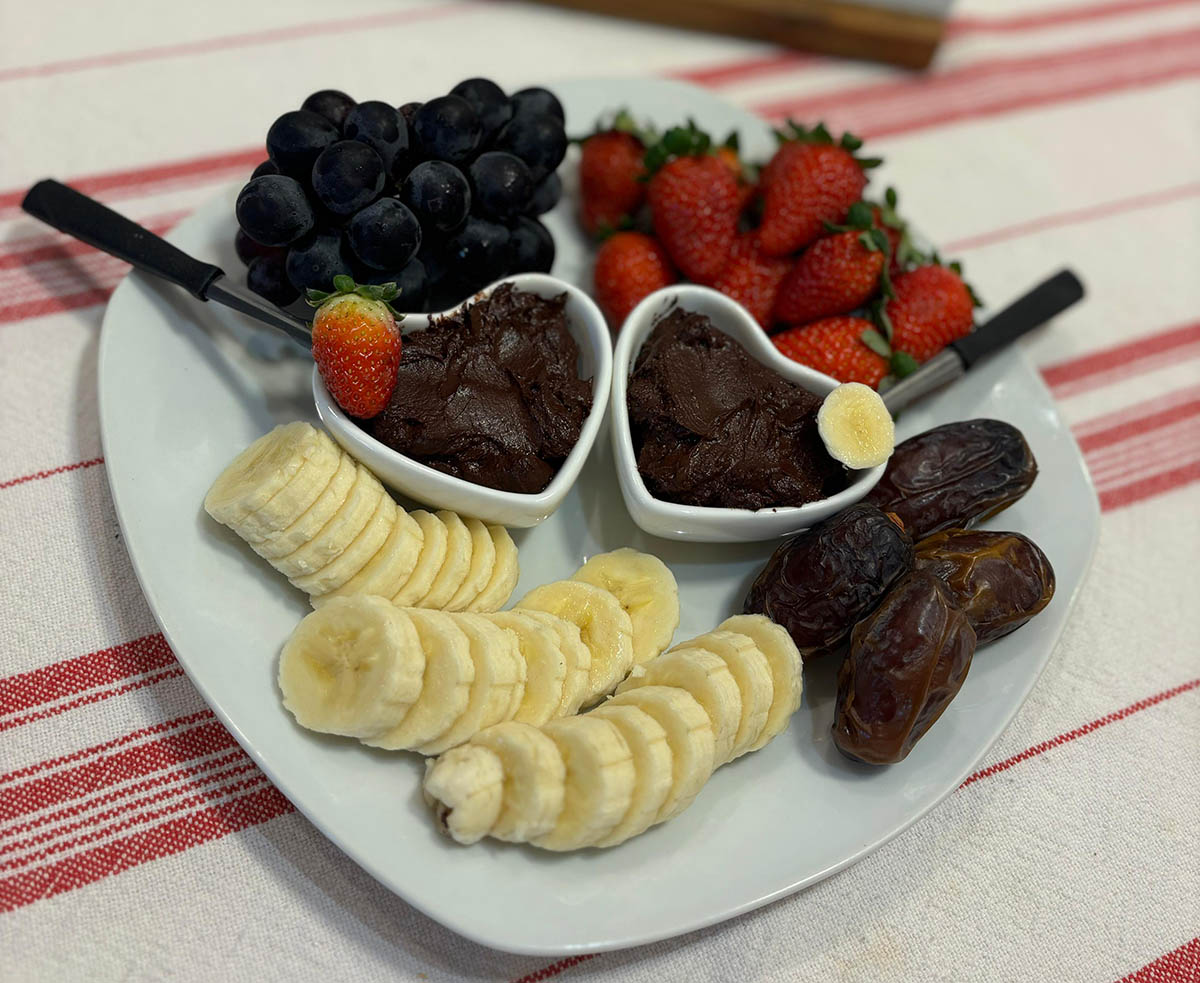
[[954, 476], [907, 661], [999, 579], [820, 582]]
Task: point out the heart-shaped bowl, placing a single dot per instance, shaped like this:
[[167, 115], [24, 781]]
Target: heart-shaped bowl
[[701, 523], [444, 491]]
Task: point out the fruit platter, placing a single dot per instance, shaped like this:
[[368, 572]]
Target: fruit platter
[[544, 726]]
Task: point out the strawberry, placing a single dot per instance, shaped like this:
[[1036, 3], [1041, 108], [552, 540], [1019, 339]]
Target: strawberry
[[835, 346], [932, 307], [611, 177], [837, 273], [810, 181], [356, 344], [752, 278], [694, 202], [629, 266]]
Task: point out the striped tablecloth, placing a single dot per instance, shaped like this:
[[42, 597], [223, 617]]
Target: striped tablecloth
[[137, 841]]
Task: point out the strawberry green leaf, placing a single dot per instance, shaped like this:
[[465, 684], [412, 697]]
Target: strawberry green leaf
[[890, 198], [860, 216], [903, 364], [343, 284], [880, 316], [876, 342]]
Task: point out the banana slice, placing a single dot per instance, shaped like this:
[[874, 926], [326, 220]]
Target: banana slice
[[603, 625], [445, 687], [505, 573], [387, 571], [338, 533], [496, 689], [534, 780], [354, 668], [784, 660], [599, 783], [297, 496], [456, 565], [645, 587], [577, 655], [752, 673], [689, 735], [263, 470], [856, 427], [314, 519], [434, 540], [652, 765], [545, 666], [465, 787], [483, 562], [354, 558], [709, 680]]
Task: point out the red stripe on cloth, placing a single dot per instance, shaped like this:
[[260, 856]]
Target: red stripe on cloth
[[1078, 732], [343, 25], [1057, 18], [112, 769], [50, 683], [1175, 397], [743, 69], [999, 85], [554, 969], [1076, 216], [1095, 367], [1149, 487], [61, 469], [1136, 425], [1180, 965], [171, 837], [89, 698], [42, 249], [55, 305]]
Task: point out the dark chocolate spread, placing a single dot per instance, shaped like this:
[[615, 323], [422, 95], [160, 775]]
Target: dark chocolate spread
[[712, 426], [491, 393]]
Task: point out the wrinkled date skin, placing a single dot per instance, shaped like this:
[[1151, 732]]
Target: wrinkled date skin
[[954, 476], [907, 661], [999, 579], [819, 583]]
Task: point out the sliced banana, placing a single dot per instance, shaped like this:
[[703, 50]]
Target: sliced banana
[[465, 787], [434, 541], [577, 655], [603, 625], [505, 573], [652, 765], [354, 558], [338, 533], [856, 426], [498, 683], [689, 735], [599, 781], [752, 673], [315, 517], [388, 570], [445, 687], [545, 666], [645, 587], [354, 668], [708, 679], [534, 780], [455, 566], [783, 658], [261, 471], [297, 496], [483, 563]]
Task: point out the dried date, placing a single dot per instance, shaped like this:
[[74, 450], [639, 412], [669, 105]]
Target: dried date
[[907, 661], [955, 476], [820, 582], [999, 579]]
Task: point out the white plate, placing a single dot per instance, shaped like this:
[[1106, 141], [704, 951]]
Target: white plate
[[179, 397]]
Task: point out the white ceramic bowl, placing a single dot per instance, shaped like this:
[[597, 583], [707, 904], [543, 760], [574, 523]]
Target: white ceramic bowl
[[443, 491], [698, 523]]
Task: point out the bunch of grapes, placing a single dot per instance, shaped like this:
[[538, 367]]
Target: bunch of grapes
[[440, 197]]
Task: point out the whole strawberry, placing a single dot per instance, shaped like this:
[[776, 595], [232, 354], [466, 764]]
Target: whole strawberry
[[752, 278], [356, 344], [932, 307], [835, 346], [629, 267], [838, 273], [611, 177], [694, 202], [810, 181]]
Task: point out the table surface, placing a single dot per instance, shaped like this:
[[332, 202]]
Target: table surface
[[139, 841]]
